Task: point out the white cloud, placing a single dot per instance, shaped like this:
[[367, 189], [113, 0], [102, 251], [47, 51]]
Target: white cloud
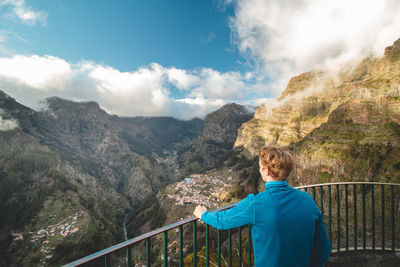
[[288, 37], [130, 93], [42, 73], [146, 91], [196, 107], [214, 84], [7, 124], [264, 101], [181, 78], [207, 83], [281, 38], [24, 13]]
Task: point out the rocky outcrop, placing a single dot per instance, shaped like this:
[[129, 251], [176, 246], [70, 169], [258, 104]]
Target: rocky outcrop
[[343, 127], [293, 117], [221, 126], [216, 139]]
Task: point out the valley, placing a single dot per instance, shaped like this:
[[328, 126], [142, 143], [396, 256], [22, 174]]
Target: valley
[[71, 173]]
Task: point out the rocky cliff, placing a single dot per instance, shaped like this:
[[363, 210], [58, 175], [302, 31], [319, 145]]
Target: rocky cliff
[[216, 140], [340, 127]]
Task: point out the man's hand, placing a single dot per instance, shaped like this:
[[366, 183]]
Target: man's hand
[[199, 211]]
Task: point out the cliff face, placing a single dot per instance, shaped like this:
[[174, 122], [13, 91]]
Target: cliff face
[[216, 139], [98, 144], [343, 127], [302, 107], [221, 126]]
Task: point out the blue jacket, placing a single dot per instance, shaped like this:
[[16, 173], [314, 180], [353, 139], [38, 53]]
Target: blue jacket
[[286, 226]]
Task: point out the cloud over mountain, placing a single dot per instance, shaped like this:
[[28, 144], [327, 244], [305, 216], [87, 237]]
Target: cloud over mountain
[[278, 40], [286, 38], [147, 91]]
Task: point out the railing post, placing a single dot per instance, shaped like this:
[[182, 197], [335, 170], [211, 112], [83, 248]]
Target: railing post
[[355, 215], [364, 218], [338, 216], [321, 193], [128, 256], [107, 260], [240, 246], [313, 193], [148, 252], [393, 218], [330, 213], [207, 247], [383, 216], [194, 243], [165, 249], [219, 247], [249, 243], [373, 215], [346, 192], [180, 246], [230, 247]]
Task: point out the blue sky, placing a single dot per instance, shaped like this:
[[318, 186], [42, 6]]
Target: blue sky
[[181, 58], [129, 34]]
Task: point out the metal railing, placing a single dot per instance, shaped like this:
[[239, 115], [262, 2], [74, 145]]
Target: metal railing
[[358, 216]]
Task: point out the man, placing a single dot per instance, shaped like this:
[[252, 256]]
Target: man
[[286, 225]]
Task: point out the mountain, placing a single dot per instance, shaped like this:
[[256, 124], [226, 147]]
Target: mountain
[[73, 162], [118, 151], [216, 140], [209, 150], [341, 127], [75, 166]]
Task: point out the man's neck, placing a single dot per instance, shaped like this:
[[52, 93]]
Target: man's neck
[[270, 179]]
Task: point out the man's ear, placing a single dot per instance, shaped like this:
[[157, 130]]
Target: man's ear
[[268, 172]]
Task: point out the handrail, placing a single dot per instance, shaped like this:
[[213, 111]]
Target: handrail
[[343, 183], [127, 244], [138, 239]]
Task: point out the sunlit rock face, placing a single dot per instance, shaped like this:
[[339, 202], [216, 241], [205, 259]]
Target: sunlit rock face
[[310, 98], [342, 126], [303, 106]]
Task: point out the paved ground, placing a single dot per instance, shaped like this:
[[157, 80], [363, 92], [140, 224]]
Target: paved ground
[[365, 259]]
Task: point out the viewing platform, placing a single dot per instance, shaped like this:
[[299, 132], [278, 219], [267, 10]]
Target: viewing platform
[[362, 220]]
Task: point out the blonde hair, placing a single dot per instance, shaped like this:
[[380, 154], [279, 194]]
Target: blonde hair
[[278, 161]]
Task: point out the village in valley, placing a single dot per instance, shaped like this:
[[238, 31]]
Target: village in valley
[[209, 190], [179, 200], [46, 236], [200, 189]]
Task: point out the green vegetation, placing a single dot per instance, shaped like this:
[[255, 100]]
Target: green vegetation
[[35, 192], [148, 213], [324, 177], [213, 256], [354, 151]]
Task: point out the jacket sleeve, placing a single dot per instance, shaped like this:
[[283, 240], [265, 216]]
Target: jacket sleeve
[[322, 246], [241, 214]]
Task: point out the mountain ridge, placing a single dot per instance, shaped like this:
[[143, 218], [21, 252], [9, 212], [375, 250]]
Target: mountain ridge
[[324, 120], [77, 160]]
